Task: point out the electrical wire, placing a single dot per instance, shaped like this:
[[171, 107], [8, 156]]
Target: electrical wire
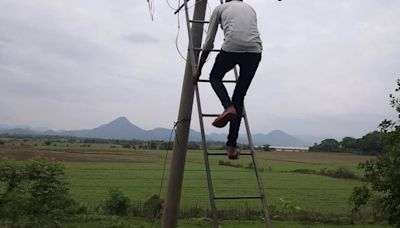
[[163, 172], [165, 164], [179, 28], [170, 6], [151, 8], [175, 125]]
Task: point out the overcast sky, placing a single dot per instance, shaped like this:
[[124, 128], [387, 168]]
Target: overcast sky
[[327, 68]]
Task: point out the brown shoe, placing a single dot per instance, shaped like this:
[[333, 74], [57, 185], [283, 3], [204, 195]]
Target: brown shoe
[[232, 152], [228, 115]]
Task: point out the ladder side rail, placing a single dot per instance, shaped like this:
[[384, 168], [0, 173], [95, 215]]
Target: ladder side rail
[[191, 47], [203, 139], [267, 219], [206, 161]]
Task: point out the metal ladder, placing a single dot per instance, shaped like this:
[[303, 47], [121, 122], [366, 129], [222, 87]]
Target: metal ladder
[[202, 115]]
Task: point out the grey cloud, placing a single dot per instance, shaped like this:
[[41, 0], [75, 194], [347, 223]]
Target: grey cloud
[[141, 38], [31, 37], [327, 66]]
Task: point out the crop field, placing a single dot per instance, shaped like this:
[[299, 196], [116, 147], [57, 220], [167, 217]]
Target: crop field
[[93, 169]]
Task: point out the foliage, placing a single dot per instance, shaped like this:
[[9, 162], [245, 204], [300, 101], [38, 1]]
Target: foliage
[[35, 194], [340, 172], [383, 174], [193, 146], [305, 171], [368, 144], [152, 208], [229, 163], [126, 146], [349, 144], [266, 147], [166, 146], [359, 197], [115, 204], [327, 145]]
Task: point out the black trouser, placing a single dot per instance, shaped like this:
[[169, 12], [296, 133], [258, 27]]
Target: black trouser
[[225, 61]]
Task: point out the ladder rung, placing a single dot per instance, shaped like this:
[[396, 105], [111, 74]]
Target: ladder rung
[[224, 154], [236, 197], [212, 115], [198, 21], [226, 81], [201, 49]]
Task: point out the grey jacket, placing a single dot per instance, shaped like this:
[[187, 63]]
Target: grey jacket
[[239, 23]]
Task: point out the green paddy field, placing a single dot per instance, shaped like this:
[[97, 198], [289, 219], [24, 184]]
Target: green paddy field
[[94, 169]]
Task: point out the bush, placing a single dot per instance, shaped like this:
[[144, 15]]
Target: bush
[[2, 143], [126, 146], [152, 208], [367, 207], [229, 163], [251, 166], [340, 172], [266, 147], [383, 173], [305, 171], [359, 197], [116, 204], [35, 194]]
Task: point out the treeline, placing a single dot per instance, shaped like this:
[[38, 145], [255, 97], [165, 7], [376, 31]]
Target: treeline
[[369, 144], [125, 143]]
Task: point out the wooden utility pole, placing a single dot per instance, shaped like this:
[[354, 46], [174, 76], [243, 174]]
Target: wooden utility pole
[[177, 167]]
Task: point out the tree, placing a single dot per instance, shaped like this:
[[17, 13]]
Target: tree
[[266, 147], [383, 173], [166, 145], [371, 143], [153, 145], [327, 145], [35, 194], [349, 144]]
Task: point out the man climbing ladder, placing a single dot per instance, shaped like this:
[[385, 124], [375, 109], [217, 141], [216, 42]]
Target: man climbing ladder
[[242, 46]]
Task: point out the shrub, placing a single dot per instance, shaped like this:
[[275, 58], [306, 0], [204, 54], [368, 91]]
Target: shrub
[[116, 204], [152, 208], [2, 143], [305, 171], [126, 146], [251, 166], [367, 207], [383, 173], [359, 197], [266, 147], [229, 163], [340, 172], [35, 194]]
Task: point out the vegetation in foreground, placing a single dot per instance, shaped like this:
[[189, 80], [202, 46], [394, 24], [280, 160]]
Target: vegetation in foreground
[[309, 198], [382, 190]]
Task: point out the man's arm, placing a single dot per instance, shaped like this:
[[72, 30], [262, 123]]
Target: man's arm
[[203, 58], [209, 43]]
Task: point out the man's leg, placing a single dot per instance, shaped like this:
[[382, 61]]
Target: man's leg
[[248, 66], [224, 62]]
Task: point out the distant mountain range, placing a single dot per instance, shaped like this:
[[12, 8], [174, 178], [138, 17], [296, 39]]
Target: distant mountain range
[[122, 128]]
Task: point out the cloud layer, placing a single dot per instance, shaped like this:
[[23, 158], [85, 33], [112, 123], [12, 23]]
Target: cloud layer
[[327, 67]]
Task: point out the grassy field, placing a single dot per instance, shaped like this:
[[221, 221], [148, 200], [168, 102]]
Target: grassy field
[[92, 169], [99, 221]]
